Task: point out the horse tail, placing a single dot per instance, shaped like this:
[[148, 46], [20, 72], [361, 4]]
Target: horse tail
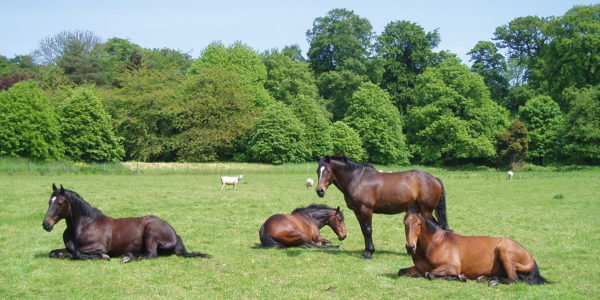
[[181, 251], [534, 277], [267, 240], [440, 209]]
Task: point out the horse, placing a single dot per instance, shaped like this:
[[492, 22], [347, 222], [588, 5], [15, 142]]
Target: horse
[[226, 180], [90, 234], [301, 227], [368, 191], [440, 253], [309, 182]]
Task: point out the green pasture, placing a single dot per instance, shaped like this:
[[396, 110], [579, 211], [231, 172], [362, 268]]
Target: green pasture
[[555, 215]]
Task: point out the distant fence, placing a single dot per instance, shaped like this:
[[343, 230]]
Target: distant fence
[[10, 166]]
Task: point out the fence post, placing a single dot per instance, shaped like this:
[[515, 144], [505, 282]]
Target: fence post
[[29, 167], [11, 166]]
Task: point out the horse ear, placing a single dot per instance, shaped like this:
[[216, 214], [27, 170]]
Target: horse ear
[[62, 189], [338, 209], [317, 158], [54, 188], [327, 159]]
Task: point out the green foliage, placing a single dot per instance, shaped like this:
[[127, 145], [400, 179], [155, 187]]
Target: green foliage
[[87, 128], [81, 65], [278, 136], [346, 141], [512, 144], [453, 120], [214, 116], [316, 126], [165, 58], [406, 50], [377, 121], [337, 88], [341, 39], [491, 65], [288, 77], [118, 54], [244, 61], [30, 126], [545, 123], [517, 96], [583, 122], [143, 112]]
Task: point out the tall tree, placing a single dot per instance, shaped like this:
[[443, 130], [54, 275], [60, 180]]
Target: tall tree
[[372, 114], [288, 78], [81, 65], [346, 141], [545, 123], [583, 126], [491, 65], [454, 119], [29, 126], [87, 128], [406, 50], [337, 88], [116, 55], [341, 39], [308, 111], [512, 145], [51, 48]]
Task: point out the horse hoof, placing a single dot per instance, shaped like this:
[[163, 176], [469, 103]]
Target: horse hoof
[[462, 278], [367, 255], [481, 279], [428, 275], [341, 247], [105, 257], [493, 282], [125, 259]]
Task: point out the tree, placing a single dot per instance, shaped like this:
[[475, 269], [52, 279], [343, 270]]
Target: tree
[[87, 128], [29, 126], [346, 141], [491, 65], [337, 88], [583, 126], [288, 78], [278, 136], [341, 39], [544, 122], [118, 54], [241, 59], [317, 139], [377, 121], [81, 65], [517, 96], [512, 145], [572, 56], [214, 116], [144, 112], [52, 48], [453, 119], [406, 50]]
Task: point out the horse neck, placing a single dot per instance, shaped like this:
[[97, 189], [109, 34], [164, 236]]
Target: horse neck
[[343, 176], [80, 212], [320, 217], [426, 238]]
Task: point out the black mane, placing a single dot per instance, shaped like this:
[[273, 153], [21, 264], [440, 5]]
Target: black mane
[[318, 212], [79, 205], [349, 163]]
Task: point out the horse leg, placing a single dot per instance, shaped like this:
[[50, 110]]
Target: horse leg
[[91, 251], [410, 272], [442, 271], [364, 218], [61, 253]]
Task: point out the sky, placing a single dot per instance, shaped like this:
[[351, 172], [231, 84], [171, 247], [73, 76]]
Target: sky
[[190, 26]]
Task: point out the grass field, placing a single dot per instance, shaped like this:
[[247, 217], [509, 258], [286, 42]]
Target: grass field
[[555, 215]]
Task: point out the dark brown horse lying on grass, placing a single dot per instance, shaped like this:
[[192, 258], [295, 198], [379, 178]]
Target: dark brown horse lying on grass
[[90, 234], [439, 253], [302, 227]]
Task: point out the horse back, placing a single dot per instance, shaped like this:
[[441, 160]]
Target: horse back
[[399, 191], [287, 229]]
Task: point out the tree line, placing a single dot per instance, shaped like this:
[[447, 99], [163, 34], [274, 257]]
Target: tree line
[[385, 98]]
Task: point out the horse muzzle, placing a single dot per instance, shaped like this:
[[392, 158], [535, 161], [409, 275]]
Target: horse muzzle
[[47, 225], [342, 237], [411, 249], [321, 192]]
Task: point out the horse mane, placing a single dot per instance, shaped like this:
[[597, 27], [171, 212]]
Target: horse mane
[[432, 227], [81, 205], [315, 211], [349, 163]]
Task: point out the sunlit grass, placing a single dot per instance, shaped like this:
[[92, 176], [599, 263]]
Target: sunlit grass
[[562, 233]]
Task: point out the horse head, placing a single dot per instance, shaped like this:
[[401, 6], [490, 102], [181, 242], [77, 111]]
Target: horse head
[[58, 207], [413, 225], [324, 174], [336, 222]]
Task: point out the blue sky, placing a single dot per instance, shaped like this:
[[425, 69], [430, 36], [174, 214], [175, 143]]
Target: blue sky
[[190, 26]]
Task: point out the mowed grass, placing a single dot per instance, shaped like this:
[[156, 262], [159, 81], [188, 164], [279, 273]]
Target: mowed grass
[[555, 215]]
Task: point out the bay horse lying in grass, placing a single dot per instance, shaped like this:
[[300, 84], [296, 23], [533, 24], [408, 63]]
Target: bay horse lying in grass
[[368, 191], [302, 227], [439, 253], [90, 234]]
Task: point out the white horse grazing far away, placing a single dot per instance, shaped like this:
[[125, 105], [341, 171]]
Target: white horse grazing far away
[[510, 175], [226, 180], [309, 182]]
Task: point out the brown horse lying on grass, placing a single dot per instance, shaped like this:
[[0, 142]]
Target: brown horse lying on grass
[[302, 227], [439, 253], [90, 234]]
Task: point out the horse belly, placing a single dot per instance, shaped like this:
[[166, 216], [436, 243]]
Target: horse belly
[[478, 256], [287, 230], [127, 236]]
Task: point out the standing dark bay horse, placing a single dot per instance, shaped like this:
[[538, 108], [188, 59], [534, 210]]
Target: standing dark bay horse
[[368, 191], [302, 227], [439, 253], [90, 234]]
